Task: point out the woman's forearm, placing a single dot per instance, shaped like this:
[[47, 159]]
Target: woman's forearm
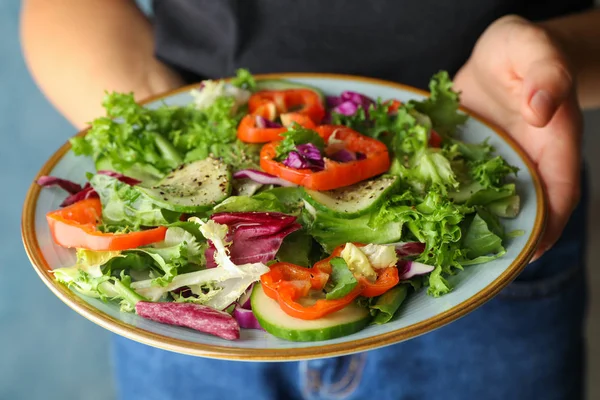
[[78, 49], [579, 35]]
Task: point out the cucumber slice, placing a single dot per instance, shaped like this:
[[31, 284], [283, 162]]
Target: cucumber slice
[[271, 317], [354, 200], [193, 187], [278, 84]]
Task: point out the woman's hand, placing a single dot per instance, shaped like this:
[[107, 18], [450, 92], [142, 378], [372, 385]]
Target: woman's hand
[[520, 79]]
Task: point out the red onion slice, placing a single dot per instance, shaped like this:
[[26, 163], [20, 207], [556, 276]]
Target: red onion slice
[[263, 123], [244, 300], [405, 249], [261, 177], [123, 178], [246, 318], [77, 192], [408, 269]]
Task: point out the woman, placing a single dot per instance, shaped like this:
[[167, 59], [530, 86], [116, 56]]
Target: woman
[[531, 78]]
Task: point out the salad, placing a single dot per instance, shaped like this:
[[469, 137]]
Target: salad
[[265, 204]]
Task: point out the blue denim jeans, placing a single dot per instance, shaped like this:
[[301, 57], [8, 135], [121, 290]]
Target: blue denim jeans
[[527, 343]]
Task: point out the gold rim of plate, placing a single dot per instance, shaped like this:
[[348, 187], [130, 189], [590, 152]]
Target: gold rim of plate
[[42, 268]]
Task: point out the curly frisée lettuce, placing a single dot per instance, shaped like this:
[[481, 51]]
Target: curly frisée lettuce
[[225, 283], [147, 143], [431, 168], [442, 106], [105, 274], [89, 278]]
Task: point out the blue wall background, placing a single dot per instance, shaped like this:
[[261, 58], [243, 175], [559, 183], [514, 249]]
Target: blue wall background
[[47, 351]]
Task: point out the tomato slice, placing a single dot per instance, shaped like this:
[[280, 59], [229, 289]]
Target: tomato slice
[[336, 174], [75, 226]]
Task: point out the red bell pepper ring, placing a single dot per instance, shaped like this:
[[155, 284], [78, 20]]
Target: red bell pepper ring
[[299, 106], [288, 283], [387, 278], [301, 101], [282, 271], [75, 226], [249, 132], [336, 174]]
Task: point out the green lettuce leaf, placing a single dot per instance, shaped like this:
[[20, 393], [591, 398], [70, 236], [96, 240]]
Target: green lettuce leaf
[[432, 169], [125, 206], [134, 140], [127, 295], [492, 221], [92, 277], [442, 106], [435, 221], [297, 135], [147, 143], [87, 280], [287, 200], [244, 80], [470, 151], [490, 173], [438, 285], [484, 197], [387, 304], [237, 154], [179, 249], [341, 282], [332, 231], [507, 207], [203, 293], [263, 202], [480, 240], [398, 208], [296, 248], [358, 121], [290, 197]]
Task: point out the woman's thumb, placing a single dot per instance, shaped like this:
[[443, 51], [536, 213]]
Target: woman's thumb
[[547, 81]]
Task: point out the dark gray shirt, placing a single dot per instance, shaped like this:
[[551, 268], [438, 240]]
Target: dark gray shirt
[[400, 40]]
